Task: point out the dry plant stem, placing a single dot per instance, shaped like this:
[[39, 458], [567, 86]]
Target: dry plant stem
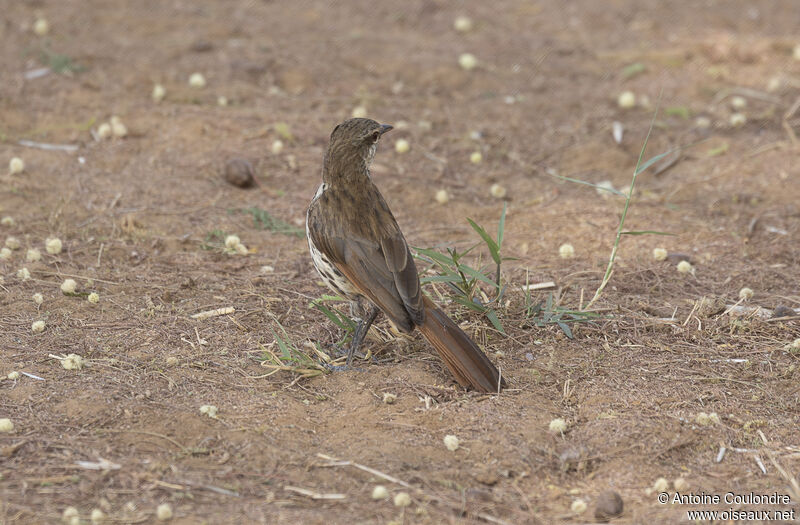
[[345, 463], [628, 197]]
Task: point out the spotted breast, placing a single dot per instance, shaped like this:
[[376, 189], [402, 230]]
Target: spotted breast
[[331, 275]]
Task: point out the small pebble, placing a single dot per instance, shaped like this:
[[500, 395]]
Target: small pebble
[[239, 172], [442, 197], [6, 425], [476, 157], [609, 505]]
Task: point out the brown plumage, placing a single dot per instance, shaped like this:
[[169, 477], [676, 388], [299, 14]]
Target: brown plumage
[[360, 252]]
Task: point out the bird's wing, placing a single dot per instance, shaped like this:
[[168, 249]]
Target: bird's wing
[[383, 271]]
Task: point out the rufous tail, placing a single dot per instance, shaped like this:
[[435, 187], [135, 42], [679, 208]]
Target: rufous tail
[[468, 364]]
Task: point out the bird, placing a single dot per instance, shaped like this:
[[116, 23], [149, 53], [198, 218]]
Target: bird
[[360, 253]]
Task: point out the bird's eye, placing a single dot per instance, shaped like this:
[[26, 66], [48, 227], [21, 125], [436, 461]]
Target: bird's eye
[[375, 136]]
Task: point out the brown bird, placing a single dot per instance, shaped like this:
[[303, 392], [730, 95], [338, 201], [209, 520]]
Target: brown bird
[[360, 252]]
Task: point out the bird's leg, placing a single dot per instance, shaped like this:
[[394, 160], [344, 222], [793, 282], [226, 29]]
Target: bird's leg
[[361, 331]]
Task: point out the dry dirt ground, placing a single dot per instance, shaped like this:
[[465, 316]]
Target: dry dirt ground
[[141, 217]]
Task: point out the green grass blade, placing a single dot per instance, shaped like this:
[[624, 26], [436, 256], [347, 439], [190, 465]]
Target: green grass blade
[[501, 226], [596, 186], [646, 232], [494, 250], [440, 279], [475, 273], [492, 316]]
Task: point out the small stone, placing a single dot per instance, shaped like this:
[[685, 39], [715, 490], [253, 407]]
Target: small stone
[[239, 172], [277, 147], [609, 505], [401, 146], [442, 197], [476, 157], [6, 425], [566, 251]]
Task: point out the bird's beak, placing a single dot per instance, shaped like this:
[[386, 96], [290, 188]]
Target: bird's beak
[[385, 128]]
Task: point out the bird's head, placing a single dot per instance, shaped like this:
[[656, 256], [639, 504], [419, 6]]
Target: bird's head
[[355, 140]]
